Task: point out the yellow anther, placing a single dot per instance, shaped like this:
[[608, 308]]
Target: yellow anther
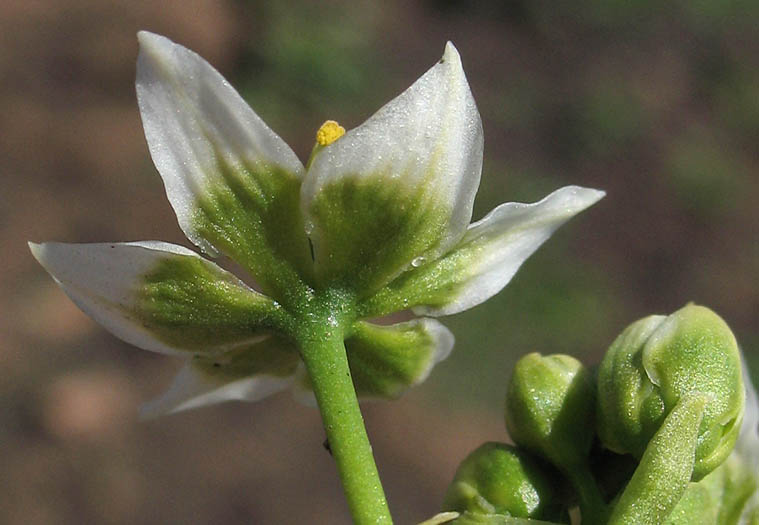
[[329, 132]]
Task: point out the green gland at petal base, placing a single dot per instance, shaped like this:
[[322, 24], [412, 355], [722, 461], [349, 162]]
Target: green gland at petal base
[[549, 408], [500, 479], [161, 297], [386, 360], [653, 364], [233, 183]]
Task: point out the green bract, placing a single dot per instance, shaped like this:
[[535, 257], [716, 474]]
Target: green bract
[[659, 491], [655, 364], [720, 497], [499, 479], [378, 222], [665, 469]]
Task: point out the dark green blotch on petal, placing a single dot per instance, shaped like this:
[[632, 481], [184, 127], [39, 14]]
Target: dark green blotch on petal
[[273, 356], [190, 304], [434, 284], [371, 228], [254, 217]]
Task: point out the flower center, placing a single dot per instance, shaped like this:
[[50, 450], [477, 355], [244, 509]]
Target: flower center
[[329, 132]]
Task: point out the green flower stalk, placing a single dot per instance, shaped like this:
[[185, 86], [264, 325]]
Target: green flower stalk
[[377, 221]]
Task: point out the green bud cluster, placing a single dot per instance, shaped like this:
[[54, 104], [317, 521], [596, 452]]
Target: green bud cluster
[[645, 439]]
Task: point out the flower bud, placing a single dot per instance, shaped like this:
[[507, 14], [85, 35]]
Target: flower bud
[[653, 364], [549, 408], [499, 479]]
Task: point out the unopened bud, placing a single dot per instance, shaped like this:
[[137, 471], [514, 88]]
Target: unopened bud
[[499, 479], [549, 408], [654, 363]]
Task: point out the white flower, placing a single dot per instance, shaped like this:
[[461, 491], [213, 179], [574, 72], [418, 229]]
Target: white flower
[[381, 216]]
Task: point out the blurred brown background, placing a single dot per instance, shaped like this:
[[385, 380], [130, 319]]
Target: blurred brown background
[[657, 105]]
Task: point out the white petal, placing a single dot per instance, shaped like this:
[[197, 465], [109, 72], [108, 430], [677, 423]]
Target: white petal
[[302, 391], [192, 389], [443, 342], [192, 116], [498, 244], [102, 279], [439, 519], [427, 142]]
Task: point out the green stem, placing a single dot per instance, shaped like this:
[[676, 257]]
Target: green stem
[[323, 352], [592, 506]]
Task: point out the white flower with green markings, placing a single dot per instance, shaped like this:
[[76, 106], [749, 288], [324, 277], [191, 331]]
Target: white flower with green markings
[[376, 223]]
